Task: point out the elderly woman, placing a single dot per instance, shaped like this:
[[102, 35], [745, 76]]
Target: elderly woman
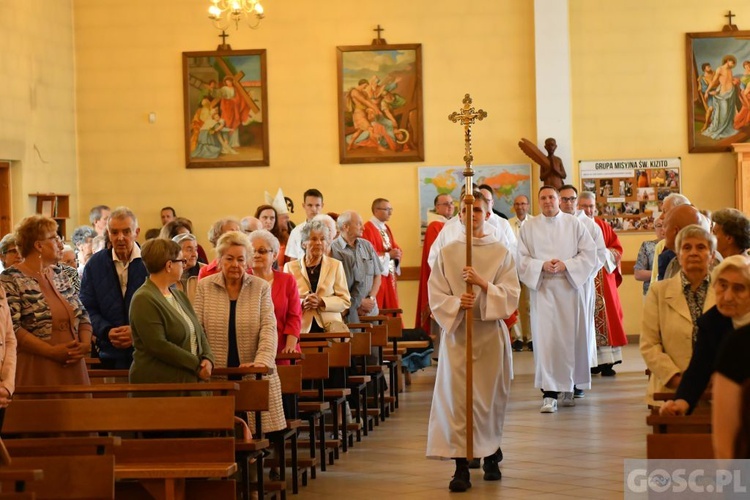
[[237, 314], [218, 228], [321, 281], [732, 230], [264, 248], [731, 283], [51, 325], [8, 251], [644, 262], [730, 409], [170, 345], [83, 241], [188, 282], [672, 309]]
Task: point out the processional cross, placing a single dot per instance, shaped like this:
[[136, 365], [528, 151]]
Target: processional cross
[[466, 117]]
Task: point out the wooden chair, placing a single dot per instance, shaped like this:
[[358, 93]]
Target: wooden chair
[[291, 385], [361, 349], [315, 370]]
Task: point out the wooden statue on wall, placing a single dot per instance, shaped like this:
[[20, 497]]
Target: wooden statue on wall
[[552, 170]]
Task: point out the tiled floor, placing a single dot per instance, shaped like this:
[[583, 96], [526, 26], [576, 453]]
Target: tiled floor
[[575, 453]]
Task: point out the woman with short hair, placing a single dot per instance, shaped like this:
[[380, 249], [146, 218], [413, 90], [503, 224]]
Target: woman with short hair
[[9, 254], [189, 280], [264, 248], [237, 314], [673, 306], [52, 328], [83, 241], [169, 342], [321, 281]]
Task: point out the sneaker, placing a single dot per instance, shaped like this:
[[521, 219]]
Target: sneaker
[[549, 405], [491, 469], [530, 346], [518, 345], [474, 463], [578, 393], [567, 399], [461, 480]]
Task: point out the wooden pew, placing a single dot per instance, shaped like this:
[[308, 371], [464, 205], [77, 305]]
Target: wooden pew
[[679, 437], [162, 465]]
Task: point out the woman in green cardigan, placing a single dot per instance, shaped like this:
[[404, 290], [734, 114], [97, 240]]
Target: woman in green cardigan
[[169, 342]]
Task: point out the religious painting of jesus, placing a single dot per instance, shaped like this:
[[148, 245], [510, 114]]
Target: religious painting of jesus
[[380, 103], [226, 111], [718, 96]]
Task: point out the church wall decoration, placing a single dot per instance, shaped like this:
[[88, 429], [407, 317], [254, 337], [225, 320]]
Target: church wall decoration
[[380, 103], [629, 193], [226, 108], [507, 181], [718, 90]]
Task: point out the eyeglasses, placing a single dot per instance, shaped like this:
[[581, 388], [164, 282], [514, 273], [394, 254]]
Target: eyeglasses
[[568, 200], [182, 261], [54, 238], [262, 251]]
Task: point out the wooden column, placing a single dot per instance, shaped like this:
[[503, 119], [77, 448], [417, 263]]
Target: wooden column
[[742, 181]]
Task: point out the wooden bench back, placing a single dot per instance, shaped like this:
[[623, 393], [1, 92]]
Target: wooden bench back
[[679, 446], [175, 451], [252, 396], [70, 477], [395, 328], [291, 378], [29, 416], [380, 335], [339, 355], [315, 366], [361, 344]]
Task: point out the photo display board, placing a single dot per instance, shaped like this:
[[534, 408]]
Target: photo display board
[[629, 193]]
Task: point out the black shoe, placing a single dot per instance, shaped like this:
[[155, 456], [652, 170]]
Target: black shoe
[[461, 480], [491, 469], [578, 393], [474, 463], [530, 346], [518, 345], [607, 371], [595, 370]]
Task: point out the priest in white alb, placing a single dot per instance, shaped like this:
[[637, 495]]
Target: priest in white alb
[[494, 298], [556, 258]]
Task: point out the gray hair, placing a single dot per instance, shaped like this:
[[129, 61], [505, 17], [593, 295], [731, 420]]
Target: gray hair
[[345, 218], [587, 195], [695, 231], [9, 240], [215, 232], [738, 262], [262, 234], [81, 234], [315, 225], [676, 199], [181, 238], [735, 224], [230, 239], [123, 213], [96, 213]]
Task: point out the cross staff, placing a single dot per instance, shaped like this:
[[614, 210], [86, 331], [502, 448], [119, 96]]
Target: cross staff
[[467, 116]]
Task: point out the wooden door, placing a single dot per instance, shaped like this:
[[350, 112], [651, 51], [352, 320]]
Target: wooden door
[[5, 215]]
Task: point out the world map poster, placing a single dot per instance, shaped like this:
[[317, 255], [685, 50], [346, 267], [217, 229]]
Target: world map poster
[[507, 181]]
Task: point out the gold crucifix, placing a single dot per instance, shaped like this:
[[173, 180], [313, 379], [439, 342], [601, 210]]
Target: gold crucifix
[[467, 116]]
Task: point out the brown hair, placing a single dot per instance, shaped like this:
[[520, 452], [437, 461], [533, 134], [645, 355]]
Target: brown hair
[[30, 230]]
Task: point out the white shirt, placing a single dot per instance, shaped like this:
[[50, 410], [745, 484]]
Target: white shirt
[[294, 243], [453, 230], [122, 267]]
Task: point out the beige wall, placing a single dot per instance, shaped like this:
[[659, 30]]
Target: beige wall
[[629, 98], [37, 130]]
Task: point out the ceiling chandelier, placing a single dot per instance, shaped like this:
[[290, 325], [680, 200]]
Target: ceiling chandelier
[[225, 12]]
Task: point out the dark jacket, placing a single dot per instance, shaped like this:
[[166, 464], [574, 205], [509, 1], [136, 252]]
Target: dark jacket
[[713, 328], [102, 297]]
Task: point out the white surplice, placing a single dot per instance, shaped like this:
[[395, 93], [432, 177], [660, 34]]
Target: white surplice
[[492, 362], [561, 356], [589, 289], [454, 229]]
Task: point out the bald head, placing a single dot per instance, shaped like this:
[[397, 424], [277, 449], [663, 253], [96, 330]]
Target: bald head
[[678, 217]]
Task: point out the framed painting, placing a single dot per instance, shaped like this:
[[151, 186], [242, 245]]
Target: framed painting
[[226, 108], [718, 95], [380, 103]]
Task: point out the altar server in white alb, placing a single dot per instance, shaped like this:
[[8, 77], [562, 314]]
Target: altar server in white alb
[[556, 258], [495, 297]]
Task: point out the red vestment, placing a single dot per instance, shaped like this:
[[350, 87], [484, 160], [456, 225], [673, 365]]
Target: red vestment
[[387, 295], [608, 290], [423, 307], [234, 111]]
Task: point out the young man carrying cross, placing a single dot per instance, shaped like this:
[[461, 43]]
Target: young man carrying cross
[[494, 297]]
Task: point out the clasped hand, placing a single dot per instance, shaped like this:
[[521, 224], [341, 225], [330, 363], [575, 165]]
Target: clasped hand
[[312, 301], [554, 266], [121, 337], [70, 353]]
